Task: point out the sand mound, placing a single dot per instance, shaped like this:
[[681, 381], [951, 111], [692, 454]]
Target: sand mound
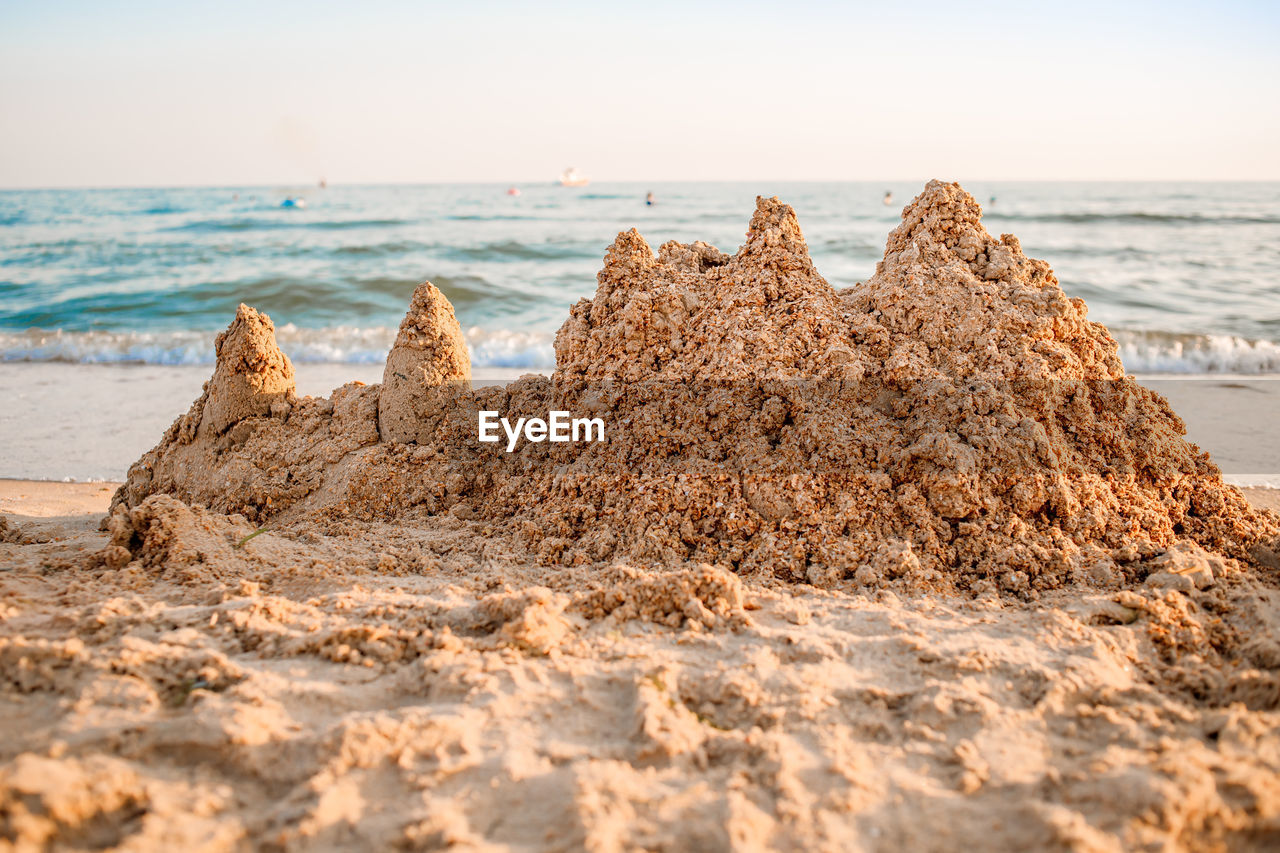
[[954, 422]]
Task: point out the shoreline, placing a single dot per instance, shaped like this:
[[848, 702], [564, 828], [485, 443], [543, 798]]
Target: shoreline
[[100, 418]]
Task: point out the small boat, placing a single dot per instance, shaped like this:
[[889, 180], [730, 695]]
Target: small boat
[[570, 177]]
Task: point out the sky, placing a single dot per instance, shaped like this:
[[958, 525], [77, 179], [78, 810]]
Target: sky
[[249, 93]]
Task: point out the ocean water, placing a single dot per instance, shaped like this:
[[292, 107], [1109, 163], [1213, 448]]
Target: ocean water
[[1187, 276]]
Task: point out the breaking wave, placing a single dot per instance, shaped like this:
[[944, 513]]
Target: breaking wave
[[1164, 352], [339, 345]]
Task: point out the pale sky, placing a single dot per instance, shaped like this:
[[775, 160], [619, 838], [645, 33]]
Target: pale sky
[[237, 93]]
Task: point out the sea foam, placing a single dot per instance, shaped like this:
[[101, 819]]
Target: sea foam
[[1140, 351], [1160, 352], [339, 345]]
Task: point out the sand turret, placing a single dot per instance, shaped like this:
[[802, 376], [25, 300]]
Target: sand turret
[[251, 373], [774, 238], [427, 367]]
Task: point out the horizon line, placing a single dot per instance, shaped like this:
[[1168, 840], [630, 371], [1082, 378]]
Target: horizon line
[[297, 186]]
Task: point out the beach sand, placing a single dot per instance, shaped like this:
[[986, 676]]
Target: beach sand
[[328, 696], [293, 632]]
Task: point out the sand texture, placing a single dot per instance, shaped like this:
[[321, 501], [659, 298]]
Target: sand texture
[[912, 565]]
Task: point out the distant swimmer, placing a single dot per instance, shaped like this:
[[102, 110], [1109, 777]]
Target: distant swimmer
[[649, 199], [298, 203], [513, 191], [992, 203], [888, 197], [323, 183]]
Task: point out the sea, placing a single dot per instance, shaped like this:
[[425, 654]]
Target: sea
[[1186, 276]]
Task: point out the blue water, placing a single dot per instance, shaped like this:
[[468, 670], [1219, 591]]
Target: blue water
[[1186, 275]]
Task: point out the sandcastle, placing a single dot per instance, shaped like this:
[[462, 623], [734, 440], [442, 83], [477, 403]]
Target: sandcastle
[[954, 422]]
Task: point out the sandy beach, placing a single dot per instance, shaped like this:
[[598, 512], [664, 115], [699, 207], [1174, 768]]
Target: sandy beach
[[909, 565], [472, 700], [681, 428]]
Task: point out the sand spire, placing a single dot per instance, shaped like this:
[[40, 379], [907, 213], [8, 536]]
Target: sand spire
[[251, 373], [427, 367], [774, 238]]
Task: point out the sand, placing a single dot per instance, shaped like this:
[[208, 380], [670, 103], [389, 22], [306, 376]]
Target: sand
[[340, 623], [354, 704]]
